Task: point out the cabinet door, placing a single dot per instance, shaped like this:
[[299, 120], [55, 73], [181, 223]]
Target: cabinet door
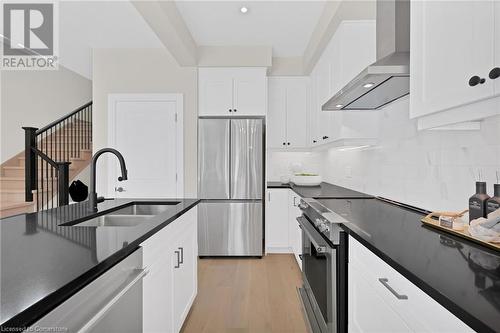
[[367, 310], [296, 113], [323, 94], [249, 91], [295, 233], [185, 284], [497, 45], [277, 221], [450, 43], [215, 91], [276, 114], [157, 297]]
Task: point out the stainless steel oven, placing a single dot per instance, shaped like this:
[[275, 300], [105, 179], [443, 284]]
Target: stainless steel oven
[[324, 269]]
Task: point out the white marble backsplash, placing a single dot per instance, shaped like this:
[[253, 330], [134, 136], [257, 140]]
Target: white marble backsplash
[[282, 163], [431, 169]]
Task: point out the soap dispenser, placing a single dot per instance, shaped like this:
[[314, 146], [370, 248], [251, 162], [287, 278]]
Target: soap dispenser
[[494, 203], [477, 203]]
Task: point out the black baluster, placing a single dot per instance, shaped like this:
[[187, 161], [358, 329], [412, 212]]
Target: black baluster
[[41, 173], [51, 168], [47, 168]]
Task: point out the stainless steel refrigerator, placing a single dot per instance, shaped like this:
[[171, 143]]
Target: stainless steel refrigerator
[[230, 184]]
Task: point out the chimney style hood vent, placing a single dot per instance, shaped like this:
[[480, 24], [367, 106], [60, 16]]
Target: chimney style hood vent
[[388, 78]]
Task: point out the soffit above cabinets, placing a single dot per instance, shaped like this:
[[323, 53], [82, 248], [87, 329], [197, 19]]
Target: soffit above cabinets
[[287, 26]]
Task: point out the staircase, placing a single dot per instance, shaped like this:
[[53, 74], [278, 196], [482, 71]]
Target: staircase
[[38, 178]]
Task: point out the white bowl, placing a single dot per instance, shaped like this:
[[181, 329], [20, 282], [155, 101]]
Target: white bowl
[[306, 180]]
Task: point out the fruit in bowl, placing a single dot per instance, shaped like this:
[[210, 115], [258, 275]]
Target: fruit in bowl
[[306, 179]]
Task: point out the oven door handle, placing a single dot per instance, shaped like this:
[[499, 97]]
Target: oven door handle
[[312, 234]]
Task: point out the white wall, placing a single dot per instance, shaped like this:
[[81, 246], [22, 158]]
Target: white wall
[[428, 169], [281, 163], [144, 71], [36, 98]]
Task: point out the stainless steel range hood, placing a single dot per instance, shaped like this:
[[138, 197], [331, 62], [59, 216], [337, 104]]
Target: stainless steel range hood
[[388, 78]]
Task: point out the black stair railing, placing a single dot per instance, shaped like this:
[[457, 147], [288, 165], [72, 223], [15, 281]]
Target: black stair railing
[[48, 152]]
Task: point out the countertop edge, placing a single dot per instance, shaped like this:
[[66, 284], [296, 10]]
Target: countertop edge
[[35, 312], [451, 306]]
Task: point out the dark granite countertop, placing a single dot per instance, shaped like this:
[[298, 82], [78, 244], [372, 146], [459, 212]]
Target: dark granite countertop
[[461, 275], [324, 190], [44, 263]]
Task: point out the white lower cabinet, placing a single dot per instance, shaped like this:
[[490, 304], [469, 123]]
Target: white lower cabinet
[[294, 231], [382, 300], [277, 240], [283, 234], [367, 310], [171, 285]]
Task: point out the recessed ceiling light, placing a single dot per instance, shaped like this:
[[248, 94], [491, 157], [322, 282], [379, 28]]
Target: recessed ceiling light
[[339, 105], [244, 10], [368, 85]]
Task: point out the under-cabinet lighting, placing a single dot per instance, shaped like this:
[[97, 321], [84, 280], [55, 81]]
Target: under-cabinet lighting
[[339, 105], [244, 10], [368, 85], [353, 148]]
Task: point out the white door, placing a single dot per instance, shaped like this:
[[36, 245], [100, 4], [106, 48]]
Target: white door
[[215, 92], [277, 221], [444, 57], [276, 114], [147, 130], [296, 113], [249, 92]]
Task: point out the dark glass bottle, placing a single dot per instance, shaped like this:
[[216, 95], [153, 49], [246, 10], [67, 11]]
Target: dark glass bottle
[[477, 203], [494, 203]]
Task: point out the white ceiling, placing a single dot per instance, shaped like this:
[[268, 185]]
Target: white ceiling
[[285, 25], [84, 25]]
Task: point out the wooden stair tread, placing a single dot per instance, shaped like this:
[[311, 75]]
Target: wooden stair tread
[[16, 167], [10, 205]]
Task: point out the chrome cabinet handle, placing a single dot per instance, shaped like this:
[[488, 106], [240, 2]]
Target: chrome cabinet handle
[[98, 316], [119, 189], [182, 255], [178, 259], [385, 282], [294, 203]]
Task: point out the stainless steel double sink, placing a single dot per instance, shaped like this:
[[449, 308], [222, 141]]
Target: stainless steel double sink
[[129, 216]]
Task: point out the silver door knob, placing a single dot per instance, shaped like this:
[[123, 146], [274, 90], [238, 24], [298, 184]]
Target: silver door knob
[[119, 189]]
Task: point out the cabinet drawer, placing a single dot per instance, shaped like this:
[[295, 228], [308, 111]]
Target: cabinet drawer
[[420, 311]]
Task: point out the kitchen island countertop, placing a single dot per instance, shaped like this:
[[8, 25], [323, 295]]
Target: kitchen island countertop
[[45, 263]]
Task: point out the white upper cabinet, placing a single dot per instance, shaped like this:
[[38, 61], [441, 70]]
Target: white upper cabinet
[[276, 114], [287, 112], [452, 52], [497, 45], [350, 50], [232, 91]]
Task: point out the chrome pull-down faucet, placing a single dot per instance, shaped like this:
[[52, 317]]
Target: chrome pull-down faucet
[[93, 200]]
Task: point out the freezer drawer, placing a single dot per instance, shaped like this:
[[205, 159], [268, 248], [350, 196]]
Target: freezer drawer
[[230, 228], [246, 158], [213, 159]]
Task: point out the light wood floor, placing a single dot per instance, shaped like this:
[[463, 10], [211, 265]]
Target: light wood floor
[[247, 295]]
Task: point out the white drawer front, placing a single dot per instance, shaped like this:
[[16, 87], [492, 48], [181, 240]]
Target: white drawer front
[[421, 312]]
